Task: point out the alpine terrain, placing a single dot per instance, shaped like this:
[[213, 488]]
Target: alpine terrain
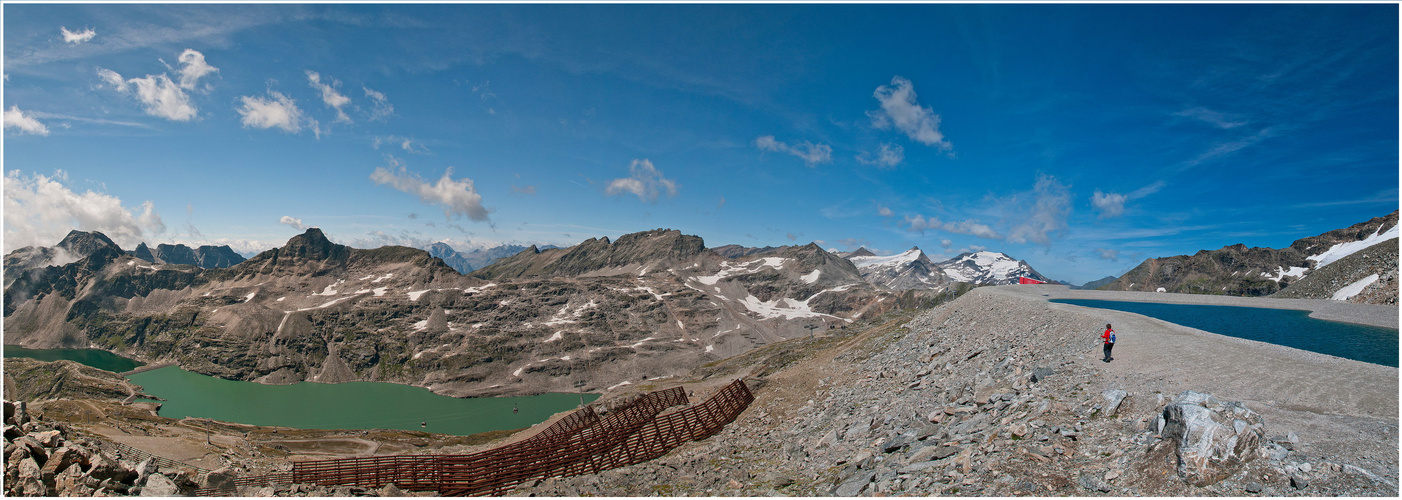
[[1357, 263], [592, 316]]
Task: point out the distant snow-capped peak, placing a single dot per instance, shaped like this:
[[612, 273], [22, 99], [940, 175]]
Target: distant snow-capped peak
[[992, 268], [896, 260]]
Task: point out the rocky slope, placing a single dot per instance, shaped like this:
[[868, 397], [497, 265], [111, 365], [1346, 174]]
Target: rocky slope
[[994, 396], [206, 256], [595, 315], [1239, 270], [1368, 276]]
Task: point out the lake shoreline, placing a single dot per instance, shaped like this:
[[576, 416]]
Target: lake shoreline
[[1329, 310]]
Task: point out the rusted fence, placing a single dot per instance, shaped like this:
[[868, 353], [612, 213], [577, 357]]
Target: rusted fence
[[581, 443]]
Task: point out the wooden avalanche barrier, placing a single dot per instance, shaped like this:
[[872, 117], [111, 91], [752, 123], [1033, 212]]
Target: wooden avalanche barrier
[[581, 443]]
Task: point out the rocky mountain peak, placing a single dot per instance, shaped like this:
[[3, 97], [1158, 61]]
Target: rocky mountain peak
[[82, 244], [861, 252], [313, 245], [143, 252]]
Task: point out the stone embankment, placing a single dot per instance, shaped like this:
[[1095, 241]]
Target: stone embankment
[[1003, 394]]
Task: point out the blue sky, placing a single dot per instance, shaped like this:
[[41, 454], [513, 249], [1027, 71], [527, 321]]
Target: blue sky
[[1080, 138]]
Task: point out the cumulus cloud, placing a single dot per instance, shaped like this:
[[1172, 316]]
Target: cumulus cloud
[[886, 156], [161, 96], [919, 224], [644, 180], [40, 210], [22, 123], [812, 154], [329, 96], [1108, 254], [1109, 205], [457, 197], [381, 108], [77, 37], [295, 223], [192, 68], [900, 109], [1051, 207], [276, 110], [946, 244], [885, 212]]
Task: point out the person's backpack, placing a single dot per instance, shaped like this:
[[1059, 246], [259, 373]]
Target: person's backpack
[[1112, 337]]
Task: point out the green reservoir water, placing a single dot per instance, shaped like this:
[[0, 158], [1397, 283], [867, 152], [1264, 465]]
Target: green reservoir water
[[96, 358], [351, 405], [1287, 327]]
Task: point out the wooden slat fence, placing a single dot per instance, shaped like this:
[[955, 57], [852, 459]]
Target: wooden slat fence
[[581, 443]]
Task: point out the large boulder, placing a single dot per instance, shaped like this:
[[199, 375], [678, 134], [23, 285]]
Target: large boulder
[[1214, 438], [158, 485]]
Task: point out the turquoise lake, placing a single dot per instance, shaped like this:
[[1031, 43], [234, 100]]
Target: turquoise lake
[[350, 405], [1286, 327], [96, 358]]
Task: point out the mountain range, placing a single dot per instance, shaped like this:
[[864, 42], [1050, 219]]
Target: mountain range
[[466, 262], [599, 314], [913, 270], [1362, 256]]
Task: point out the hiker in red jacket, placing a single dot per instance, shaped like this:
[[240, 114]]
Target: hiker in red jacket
[[1109, 338]]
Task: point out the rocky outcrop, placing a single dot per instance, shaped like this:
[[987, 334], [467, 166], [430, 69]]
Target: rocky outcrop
[[632, 253], [1214, 439], [30, 380], [43, 458], [451, 257], [1252, 271], [1376, 265]]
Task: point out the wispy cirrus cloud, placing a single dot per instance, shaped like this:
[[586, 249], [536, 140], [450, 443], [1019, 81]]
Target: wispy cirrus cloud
[[406, 143], [329, 95], [1051, 206], [25, 124], [1108, 254], [887, 155], [812, 154], [899, 109], [381, 108], [644, 180], [1209, 116], [457, 197], [76, 37]]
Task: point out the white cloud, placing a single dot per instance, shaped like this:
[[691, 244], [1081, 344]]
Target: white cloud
[[162, 97], [16, 119], [886, 156], [295, 223], [1108, 254], [78, 37], [192, 68], [946, 244], [276, 110], [885, 212], [812, 154], [382, 107], [405, 143], [1050, 209], [1109, 205], [40, 210], [645, 181], [457, 197], [1215, 118], [918, 223], [899, 108], [329, 96]]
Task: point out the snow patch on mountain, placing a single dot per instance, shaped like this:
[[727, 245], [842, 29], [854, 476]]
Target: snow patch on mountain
[[1355, 288], [1342, 250]]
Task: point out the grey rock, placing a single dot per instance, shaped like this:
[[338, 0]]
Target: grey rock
[[1113, 398], [854, 484], [1211, 445], [1089, 481], [391, 490], [1041, 373], [1299, 481], [1254, 487], [896, 443], [157, 485]]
